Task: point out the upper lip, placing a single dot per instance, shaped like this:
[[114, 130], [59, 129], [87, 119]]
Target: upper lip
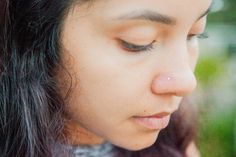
[[157, 115]]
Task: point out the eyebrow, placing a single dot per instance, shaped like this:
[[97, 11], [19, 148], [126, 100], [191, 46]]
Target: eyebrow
[[155, 16]]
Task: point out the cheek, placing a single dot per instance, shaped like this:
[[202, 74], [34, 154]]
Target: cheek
[[107, 82], [107, 89], [106, 96]]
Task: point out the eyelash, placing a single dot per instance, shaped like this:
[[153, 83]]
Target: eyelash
[[137, 48], [199, 36], [145, 48]]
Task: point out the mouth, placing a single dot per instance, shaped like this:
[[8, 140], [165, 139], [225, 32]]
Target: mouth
[[153, 122]]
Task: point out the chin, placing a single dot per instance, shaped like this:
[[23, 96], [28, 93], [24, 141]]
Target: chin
[[141, 143], [139, 146]]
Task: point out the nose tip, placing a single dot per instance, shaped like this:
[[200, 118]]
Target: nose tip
[[179, 84]]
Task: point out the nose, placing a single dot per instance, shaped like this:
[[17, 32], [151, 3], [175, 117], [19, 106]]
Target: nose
[[177, 77], [179, 83]]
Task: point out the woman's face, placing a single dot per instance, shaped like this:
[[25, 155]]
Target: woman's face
[[133, 61]]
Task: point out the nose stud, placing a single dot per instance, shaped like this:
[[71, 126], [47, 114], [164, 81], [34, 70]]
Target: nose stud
[[179, 84]]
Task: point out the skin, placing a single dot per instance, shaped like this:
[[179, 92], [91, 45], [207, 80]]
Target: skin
[[111, 84]]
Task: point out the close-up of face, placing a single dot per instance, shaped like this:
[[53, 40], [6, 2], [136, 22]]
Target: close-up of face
[[131, 62]]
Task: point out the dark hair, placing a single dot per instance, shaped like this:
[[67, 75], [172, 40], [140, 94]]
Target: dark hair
[[31, 109]]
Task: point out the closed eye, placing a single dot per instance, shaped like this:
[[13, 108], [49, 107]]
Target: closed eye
[[136, 48], [199, 36]]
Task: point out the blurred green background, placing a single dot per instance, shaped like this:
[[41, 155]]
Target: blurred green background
[[216, 74]]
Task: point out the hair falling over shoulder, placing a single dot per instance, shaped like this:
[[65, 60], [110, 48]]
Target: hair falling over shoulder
[[31, 109]]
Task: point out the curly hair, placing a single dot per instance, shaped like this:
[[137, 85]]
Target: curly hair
[[31, 109]]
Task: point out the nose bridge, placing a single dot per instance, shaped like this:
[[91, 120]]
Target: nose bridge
[[177, 78]]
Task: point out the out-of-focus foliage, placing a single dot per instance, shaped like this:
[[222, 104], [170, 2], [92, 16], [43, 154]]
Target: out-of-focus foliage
[[217, 125], [210, 68], [216, 137], [216, 94], [226, 14]]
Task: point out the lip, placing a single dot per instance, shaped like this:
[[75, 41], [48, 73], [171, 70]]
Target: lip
[[153, 122]]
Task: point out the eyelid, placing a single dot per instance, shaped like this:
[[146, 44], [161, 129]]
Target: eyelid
[[134, 47], [203, 35]]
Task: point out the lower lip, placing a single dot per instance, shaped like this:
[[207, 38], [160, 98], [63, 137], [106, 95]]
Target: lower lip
[[154, 123]]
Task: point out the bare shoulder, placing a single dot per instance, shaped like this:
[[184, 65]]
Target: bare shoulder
[[192, 150]]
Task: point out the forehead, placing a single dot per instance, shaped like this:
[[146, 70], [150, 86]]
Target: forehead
[[152, 4], [173, 8]]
